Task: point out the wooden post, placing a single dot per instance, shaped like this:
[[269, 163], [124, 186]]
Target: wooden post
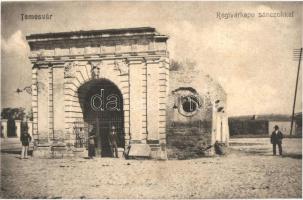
[[295, 97]]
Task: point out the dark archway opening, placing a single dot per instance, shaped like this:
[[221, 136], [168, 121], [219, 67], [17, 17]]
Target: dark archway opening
[[11, 128], [102, 106]]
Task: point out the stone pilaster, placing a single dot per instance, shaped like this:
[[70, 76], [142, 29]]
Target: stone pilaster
[[69, 88], [35, 102], [163, 93], [58, 100], [124, 86], [144, 95], [43, 104], [50, 105], [157, 89], [153, 96], [137, 101]]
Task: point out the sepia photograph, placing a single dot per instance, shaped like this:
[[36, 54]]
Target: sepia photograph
[[151, 100]]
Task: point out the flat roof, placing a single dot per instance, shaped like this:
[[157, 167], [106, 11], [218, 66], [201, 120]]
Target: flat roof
[[91, 33], [264, 117]]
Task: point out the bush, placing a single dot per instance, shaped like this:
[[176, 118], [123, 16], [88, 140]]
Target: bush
[[13, 113]]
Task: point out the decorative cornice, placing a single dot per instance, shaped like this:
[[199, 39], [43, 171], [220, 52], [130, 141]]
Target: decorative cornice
[[58, 65], [148, 55], [135, 60], [94, 33], [152, 59]]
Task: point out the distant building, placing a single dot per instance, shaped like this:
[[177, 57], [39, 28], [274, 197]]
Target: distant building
[[284, 126], [261, 124]]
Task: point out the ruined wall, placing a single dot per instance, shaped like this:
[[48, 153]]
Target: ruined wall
[[192, 115], [187, 136]]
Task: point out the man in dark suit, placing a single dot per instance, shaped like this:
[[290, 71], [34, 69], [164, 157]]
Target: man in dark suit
[[25, 140], [276, 139], [91, 141], [113, 141]]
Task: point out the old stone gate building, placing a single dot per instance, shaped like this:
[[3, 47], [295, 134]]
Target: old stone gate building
[[117, 77]]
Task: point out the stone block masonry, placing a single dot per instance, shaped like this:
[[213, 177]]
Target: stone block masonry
[[134, 60], [121, 78]]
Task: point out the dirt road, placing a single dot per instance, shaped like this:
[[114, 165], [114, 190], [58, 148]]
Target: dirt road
[[238, 175]]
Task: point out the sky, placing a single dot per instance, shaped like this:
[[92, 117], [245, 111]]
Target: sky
[[252, 58]]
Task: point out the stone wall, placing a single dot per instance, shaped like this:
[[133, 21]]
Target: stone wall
[[188, 136], [188, 140], [187, 105], [191, 133], [135, 60], [4, 128]]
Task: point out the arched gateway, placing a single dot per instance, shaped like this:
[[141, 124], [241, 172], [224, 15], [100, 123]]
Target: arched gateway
[[107, 77], [101, 102]]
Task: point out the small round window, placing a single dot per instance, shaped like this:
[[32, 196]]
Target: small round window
[[189, 105]]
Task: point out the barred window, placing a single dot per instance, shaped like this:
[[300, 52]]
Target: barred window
[[190, 104], [187, 101]]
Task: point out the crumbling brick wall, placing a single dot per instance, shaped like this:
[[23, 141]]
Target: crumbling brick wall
[[188, 140], [188, 136]]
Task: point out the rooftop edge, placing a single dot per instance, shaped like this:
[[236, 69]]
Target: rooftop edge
[[82, 33]]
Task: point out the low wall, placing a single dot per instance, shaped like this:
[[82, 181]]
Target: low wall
[[185, 141], [4, 128], [254, 127]]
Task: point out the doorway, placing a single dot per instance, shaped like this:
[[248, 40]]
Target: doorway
[[102, 106]]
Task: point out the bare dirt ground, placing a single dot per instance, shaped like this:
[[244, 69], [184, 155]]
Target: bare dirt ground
[[248, 171]]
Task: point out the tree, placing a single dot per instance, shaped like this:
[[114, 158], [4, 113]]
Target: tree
[[13, 113], [181, 65], [30, 115], [175, 65]]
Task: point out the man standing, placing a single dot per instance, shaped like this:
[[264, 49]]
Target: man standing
[[24, 125], [91, 142], [276, 139], [113, 141], [25, 140]]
